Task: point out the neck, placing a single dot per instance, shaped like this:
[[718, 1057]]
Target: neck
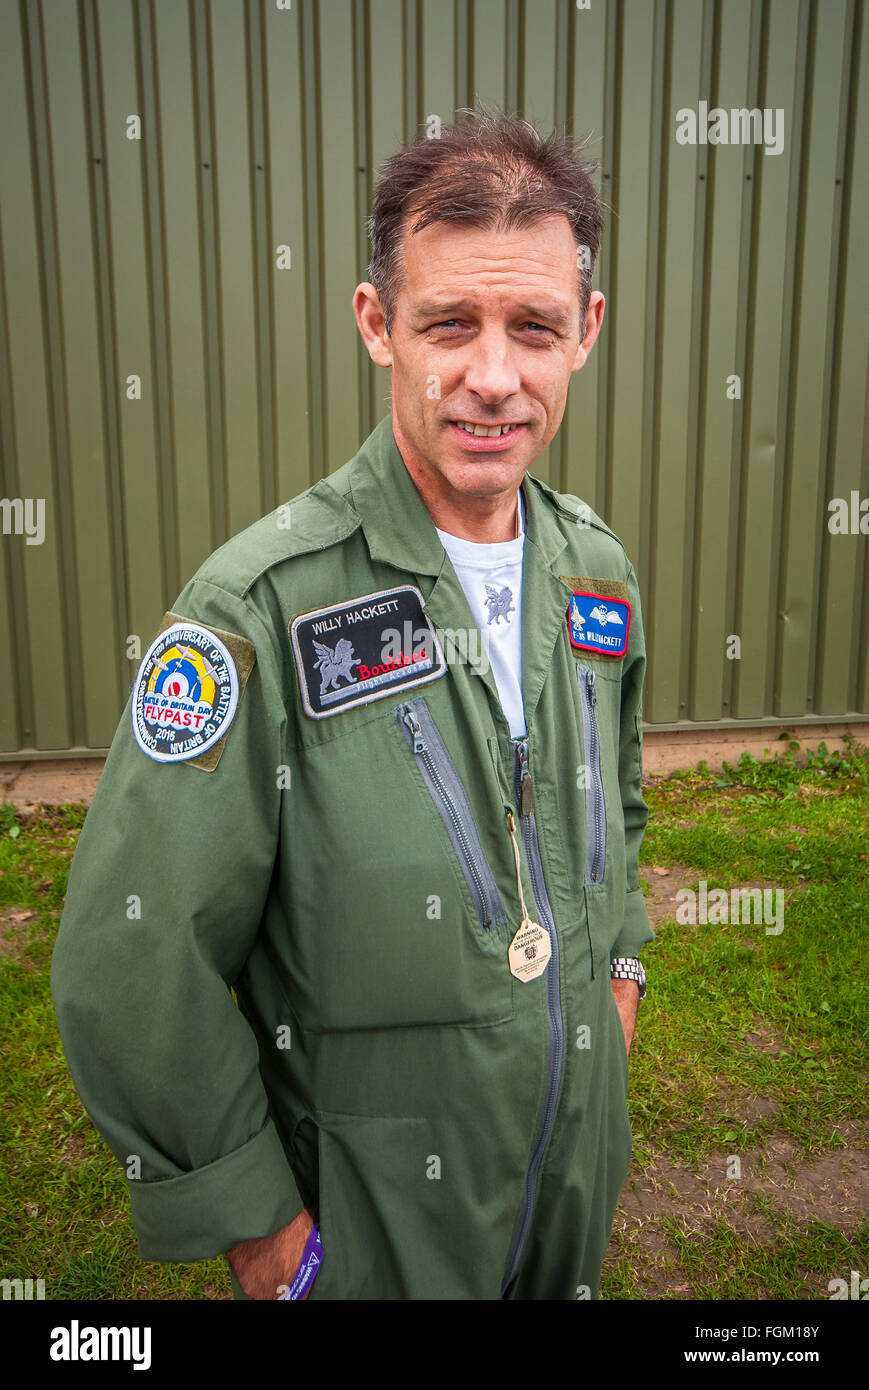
[[485, 520]]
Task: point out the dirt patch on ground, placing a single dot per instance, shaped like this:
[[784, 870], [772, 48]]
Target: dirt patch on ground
[[14, 923], [765, 1039], [666, 881], [49, 782], [660, 900], [832, 1188]]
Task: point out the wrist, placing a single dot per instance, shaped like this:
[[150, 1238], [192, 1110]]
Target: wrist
[[308, 1268], [629, 968], [263, 1265]]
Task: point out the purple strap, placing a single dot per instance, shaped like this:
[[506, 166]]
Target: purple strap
[[309, 1267]]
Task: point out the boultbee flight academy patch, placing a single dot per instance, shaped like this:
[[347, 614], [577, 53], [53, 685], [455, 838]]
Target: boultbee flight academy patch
[[187, 692], [363, 649], [599, 623]]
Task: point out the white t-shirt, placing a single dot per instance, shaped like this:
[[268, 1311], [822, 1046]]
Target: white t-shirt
[[491, 576]]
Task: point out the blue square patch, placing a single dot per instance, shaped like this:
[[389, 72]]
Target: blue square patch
[[596, 623]]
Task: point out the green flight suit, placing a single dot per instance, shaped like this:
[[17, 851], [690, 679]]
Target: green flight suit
[[458, 1133]]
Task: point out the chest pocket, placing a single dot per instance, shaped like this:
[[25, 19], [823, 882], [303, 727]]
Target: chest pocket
[[396, 918], [449, 796], [599, 689]]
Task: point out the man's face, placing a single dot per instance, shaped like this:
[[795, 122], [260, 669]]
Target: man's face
[[486, 333]]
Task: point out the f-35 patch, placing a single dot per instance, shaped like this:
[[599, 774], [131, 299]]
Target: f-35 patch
[[596, 623], [363, 649]]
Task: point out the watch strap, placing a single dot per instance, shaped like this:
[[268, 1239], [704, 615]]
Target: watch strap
[[629, 968]]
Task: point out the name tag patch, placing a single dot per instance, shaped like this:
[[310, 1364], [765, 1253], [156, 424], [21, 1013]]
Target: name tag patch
[[185, 695], [596, 623], [363, 649]]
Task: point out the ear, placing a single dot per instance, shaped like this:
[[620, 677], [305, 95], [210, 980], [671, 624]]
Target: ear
[[372, 324], [593, 321]]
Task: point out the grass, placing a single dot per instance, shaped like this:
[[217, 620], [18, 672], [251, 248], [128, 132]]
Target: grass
[[716, 1262], [748, 1042], [62, 1194], [736, 1016]]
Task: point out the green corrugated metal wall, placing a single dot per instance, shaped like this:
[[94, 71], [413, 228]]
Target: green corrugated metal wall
[[264, 126]]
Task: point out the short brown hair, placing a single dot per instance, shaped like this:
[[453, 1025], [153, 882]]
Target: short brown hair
[[488, 170]]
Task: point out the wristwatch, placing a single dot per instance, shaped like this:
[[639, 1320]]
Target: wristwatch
[[629, 968]]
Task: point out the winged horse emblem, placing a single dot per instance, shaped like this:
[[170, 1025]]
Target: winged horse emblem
[[332, 664]]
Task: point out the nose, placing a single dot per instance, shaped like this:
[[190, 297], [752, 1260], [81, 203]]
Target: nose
[[492, 371]]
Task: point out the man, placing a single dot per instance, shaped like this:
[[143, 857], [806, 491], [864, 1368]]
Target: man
[[405, 821]]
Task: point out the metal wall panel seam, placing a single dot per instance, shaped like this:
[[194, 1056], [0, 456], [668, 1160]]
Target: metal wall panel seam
[[564, 19], [609, 253], [309, 62], [771, 289], [386, 102], [263, 259], [209, 261], [759, 50], [844, 170], [748, 234], [362, 78], [708, 82], [55, 371], [861, 577], [858, 693], [108, 347], [463, 60], [660, 137], [646, 565], [513, 73], [412, 75], [20, 675], [790, 316], [829, 362], [587, 72], [160, 401]]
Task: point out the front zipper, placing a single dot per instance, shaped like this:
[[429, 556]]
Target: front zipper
[[595, 808], [525, 802], [449, 796]]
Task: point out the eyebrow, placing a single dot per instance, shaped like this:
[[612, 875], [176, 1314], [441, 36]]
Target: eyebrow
[[548, 313]]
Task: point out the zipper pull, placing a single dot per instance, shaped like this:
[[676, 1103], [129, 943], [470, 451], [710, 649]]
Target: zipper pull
[[526, 786], [412, 723], [592, 693]]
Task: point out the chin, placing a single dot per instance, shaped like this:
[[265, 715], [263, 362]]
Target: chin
[[484, 480]]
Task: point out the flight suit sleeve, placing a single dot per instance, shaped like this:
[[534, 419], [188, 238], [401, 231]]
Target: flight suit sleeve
[[164, 902], [636, 931]]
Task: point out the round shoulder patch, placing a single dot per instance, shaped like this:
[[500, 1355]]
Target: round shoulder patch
[[186, 694]]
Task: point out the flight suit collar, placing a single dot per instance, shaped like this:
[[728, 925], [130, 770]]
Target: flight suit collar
[[399, 531], [397, 524], [395, 520]]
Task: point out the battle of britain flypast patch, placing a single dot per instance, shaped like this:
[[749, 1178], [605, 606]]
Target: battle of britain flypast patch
[[186, 693], [596, 623], [363, 649]]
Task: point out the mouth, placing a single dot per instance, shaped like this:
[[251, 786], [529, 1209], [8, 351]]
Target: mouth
[[483, 438]]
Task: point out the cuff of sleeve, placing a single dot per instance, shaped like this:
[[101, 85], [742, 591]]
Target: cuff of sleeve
[[246, 1194], [636, 931]]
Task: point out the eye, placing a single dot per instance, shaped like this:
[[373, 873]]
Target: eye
[[538, 329]]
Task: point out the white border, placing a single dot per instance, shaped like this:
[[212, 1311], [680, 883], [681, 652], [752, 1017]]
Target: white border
[[441, 666], [166, 638]]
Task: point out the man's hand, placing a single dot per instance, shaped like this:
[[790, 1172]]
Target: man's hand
[[627, 996], [262, 1266]]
